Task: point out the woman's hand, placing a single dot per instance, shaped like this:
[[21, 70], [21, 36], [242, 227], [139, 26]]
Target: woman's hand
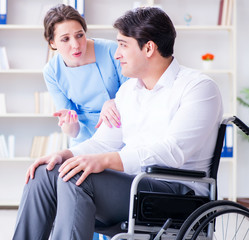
[[68, 121], [51, 160], [109, 114]]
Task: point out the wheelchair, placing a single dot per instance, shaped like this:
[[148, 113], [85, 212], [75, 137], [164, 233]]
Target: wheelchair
[[154, 216]]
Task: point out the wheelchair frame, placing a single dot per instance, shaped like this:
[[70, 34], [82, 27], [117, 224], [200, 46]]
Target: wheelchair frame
[[206, 211]]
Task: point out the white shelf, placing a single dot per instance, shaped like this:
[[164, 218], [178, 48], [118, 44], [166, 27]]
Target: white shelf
[[217, 71], [21, 71], [39, 71], [204, 27], [40, 27], [8, 204], [26, 115], [227, 159], [110, 27], [16, 159], [20, 27]]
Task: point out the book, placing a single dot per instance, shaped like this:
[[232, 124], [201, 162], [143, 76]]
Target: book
[[44, 103], [80, 6], [229, 12], [227, 150], [220, 12], [4, 63], [45, 145], [224, 13], [33, 147], [3, 147], [11, 146], [2, 104], [3, 11]]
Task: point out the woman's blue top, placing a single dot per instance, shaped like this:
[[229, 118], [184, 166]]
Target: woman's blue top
[[85, 88]]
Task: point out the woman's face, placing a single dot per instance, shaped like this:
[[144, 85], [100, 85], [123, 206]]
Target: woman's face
[[70, 41]]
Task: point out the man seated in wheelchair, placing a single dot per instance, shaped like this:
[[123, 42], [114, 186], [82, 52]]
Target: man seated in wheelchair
[[170, 116]]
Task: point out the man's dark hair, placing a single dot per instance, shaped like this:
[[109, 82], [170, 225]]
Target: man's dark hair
[[148, 24]]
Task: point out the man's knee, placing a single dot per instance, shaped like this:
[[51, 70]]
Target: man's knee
[[42, 175]]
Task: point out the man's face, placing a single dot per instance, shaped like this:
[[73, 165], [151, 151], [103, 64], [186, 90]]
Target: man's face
[[132, 58]]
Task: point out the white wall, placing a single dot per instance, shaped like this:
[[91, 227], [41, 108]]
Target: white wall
[[243, 81], [105, 12]]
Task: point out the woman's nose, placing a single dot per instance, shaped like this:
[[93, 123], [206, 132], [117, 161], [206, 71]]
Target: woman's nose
[[74, 43]]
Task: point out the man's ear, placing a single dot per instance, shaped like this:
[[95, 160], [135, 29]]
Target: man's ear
[[150, 48]]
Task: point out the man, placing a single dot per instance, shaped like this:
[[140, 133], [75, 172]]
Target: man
[[170, 116]]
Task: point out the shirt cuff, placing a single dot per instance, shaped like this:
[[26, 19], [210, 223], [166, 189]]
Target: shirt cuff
[[130, 160]]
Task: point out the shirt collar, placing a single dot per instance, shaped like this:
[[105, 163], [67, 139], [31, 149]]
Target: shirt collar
[[166, 80]]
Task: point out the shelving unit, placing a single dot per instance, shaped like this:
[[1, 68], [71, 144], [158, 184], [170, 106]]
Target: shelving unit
[[27, 51], [205, 35]]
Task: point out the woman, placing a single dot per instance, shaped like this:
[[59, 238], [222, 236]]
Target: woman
[[82, 76]]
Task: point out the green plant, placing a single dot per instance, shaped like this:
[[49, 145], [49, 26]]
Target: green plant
[[244, 101]]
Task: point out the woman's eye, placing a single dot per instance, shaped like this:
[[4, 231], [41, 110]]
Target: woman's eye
[[65, 39], [80, 35]]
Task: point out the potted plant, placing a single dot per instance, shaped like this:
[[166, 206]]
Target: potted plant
[[207, 60]]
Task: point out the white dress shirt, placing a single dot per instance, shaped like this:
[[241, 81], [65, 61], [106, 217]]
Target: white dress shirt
[[175, 124]]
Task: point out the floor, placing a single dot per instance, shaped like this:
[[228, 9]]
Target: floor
[[8, 218], [7, 223]]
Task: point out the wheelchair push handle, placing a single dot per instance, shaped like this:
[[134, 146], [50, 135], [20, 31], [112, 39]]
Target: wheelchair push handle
[[241, 125]]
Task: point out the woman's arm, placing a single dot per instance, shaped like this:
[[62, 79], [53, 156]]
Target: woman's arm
[[68, 119]]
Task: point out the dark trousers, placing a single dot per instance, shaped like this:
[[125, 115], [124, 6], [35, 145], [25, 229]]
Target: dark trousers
[[100, 202]]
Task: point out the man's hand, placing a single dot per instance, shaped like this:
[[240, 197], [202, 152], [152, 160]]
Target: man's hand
[[51, 160], [109, 114], [68, 121], [90, 163]]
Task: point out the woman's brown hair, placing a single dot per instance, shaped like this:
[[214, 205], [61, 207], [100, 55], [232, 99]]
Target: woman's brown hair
[[58, 14]]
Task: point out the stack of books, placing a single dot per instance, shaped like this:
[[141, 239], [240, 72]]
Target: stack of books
[[225, 12], [45, 145], [44, 103], [7, 150], [79, 5]]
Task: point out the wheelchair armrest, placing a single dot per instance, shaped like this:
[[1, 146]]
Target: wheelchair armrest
[[154, 169]]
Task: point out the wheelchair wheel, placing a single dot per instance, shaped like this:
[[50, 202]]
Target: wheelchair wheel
[[218, 220]]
